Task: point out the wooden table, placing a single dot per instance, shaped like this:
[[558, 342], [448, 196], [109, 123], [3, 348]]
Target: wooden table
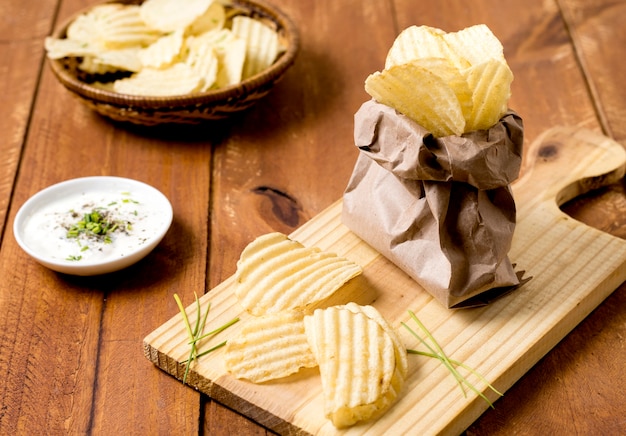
[[71, 359]]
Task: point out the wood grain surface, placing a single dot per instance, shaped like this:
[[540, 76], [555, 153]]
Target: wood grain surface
[[272, 168]]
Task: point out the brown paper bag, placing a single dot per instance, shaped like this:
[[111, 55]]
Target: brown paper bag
[[441, 209]]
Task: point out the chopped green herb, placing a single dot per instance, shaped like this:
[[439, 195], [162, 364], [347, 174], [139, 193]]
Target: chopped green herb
[[96, 224]]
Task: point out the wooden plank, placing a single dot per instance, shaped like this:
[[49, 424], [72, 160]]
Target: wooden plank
[[573, 269], [25, 25], [598, 38]]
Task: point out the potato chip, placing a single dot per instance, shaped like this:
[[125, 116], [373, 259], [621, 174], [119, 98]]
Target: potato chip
[[112, 25], [229, 51], [203, 60], [374, 315], [170, 15], [179, 79], [262, 45], [421, 95], [58, 48], [164, 52], [213, 18], [360, 374], [275, 273], [269, 347], [126, 59], [231, 55], [420, 42], [477, 44], [491, 82]]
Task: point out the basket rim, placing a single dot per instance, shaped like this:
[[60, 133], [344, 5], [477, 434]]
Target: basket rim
[[232, 92]]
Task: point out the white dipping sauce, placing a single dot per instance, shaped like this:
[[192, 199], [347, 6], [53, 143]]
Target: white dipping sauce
[[46, 231]]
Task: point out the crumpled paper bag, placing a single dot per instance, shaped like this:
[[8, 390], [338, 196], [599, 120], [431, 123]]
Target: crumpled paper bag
[[440, 209]]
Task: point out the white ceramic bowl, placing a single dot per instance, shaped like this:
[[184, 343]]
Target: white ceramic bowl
[[40, 226]]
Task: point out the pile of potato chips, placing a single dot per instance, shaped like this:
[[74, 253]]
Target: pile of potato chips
[[449, 83], [363, 364], [166, 49]]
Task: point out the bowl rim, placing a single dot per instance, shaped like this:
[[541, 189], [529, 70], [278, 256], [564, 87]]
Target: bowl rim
[[83, 184], [231, 92]]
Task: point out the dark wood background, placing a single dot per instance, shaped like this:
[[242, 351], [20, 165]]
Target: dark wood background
[[71, 357]]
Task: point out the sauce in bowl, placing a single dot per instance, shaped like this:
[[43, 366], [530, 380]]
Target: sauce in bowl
[[92, 225]]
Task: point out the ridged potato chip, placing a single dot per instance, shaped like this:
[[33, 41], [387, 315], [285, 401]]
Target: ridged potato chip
[[111, 26], [214, 18], [178, 79], [269, 347], [358, 360], [374, 315], [164, 52], [491, 82], [421, 42], [476, 44], [275, 273], [171, 15], [60, 48], [229, 50], [203, 60], [262, 45], [420, 94], [231, 55]]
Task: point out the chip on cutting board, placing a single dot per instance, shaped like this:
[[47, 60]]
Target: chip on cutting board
[[269, 347], [359, 363], [275, 273]]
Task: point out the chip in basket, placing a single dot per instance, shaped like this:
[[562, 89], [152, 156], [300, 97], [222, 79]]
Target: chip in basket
[[269, 347], [163, 52], [261, 43], [111, 26], [213, 18], [275, 273], [170, 15], [176, 80], [449, 83], [358, 360]]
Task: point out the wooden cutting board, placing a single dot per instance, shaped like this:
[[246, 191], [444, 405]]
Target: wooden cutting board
[[573, 269]]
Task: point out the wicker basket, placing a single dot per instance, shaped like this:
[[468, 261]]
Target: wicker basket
[[186, 109]]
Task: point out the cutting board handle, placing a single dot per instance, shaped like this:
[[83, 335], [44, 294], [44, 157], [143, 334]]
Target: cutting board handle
[[566, 162]]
